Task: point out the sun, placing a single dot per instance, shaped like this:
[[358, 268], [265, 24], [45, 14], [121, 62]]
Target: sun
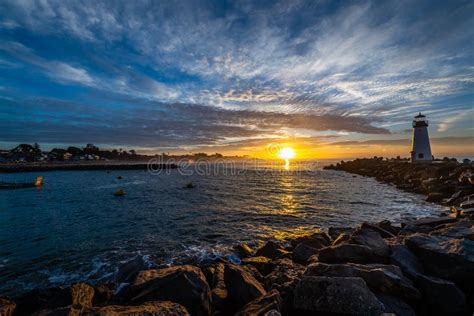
[[286, 153]]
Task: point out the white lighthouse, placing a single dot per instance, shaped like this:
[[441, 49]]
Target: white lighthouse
[[421, 149]]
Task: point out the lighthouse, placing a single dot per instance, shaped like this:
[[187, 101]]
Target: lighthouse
[[421, 149]]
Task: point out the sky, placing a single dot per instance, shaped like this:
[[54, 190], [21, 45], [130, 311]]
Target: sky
[[328, 78]]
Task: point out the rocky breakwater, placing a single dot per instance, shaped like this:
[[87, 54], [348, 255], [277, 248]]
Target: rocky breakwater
[[423, 267], [448, 183]]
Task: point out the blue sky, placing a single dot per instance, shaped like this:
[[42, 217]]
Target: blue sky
[[216, 75]]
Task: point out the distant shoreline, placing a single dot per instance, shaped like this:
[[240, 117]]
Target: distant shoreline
[[81, 166]]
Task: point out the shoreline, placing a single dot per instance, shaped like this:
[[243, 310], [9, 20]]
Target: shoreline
[[82, 166], [422, 267]]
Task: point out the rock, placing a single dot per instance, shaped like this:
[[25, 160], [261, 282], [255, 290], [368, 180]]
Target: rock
[[395, 306], [270, 250], [129, 270], [102, 294], [161, 308], [303, 252], [434, 197], [349, 253], [7, 307], [82, 295], [441, 297], [387, 226], [468, 212], [406, 260], [413, 229], [451, 259], [254, 272], [336, 295], [342, 238], [379, 278], [262, 305], [241, 286], [460, 229], [384, 233], [243, 250], [317, 240], [334, 232], [219, 290], [371, 239], [40, 299], [263, 264], [185, 285]]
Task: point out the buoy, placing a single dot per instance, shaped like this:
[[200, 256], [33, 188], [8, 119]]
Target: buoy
[[120, 177], [190, 185], [39, 181], [119, 193]]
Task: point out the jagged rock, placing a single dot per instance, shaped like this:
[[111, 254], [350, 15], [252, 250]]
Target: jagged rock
[[441, 297], [270, 250], [384, 233], [185, 285], [334, 232], [406, 260], [82, 295], [387, 226], [262, 305], [303, 252], [380, 278], [317, 240], [342, 238], [254, 272], [243, 250], [451, 259], [371, 239], [432, 221], [263, 264], [40, 299], [349, 253], [102, 294], [460, 229], [336, 295], [395, 306], [219, 290], [241, 286], [129, 270], [413, 229], [7, 307], [162, 308]]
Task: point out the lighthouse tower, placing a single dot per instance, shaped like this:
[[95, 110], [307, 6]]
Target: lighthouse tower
[[421, 149]]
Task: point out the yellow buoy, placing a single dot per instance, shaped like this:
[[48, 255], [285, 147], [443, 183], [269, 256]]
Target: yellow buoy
[[119, 193], [39, 181]]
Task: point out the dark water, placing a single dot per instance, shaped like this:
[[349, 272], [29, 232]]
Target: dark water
[[74, 228]]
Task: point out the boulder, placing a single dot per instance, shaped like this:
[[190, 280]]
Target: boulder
[[262, 305], [384, 233], [7, 307], [371, 239], [40, 299], [82, 295], [387, 226], [434, 197], [263, 264], [460, 229], [129, 270], [334, 232], [317, 240], [395, 306], [303, 252], [349, 253], [431, 221], [380, 278], [219, 291], [162, 308], [185, 285], [441, 297], [241, 286], [451, 259], [406, 260], [243, 250], [336, 295], [102, 294], [270, 250]]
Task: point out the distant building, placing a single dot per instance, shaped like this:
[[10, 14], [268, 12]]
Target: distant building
[[421, 149], [67, 156]]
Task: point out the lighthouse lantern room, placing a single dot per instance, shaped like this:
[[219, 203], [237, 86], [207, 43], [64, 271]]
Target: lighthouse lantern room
[[421, 149]]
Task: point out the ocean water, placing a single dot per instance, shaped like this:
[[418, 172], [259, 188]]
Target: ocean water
[[75, 229]]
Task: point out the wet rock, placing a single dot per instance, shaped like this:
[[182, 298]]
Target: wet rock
[[451, 259], [263, 264], [395, 306], [242, 287], [387, 226], [371, 239], [129, 270], [219, 290], [432, 221], [441, 297], [334, 232], [7, 307], [270, 250], [384, 233], [342, 238], [262, 305], [254, 272], [185, 285], [162, 308], [102, 294], [317, 240], [40, 299], [349, 253], [303, 252], [380, 278], [243, 250], [460, 229], [336, 295], [406, 260], [413, 229], [82, 295], [435, 197]]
